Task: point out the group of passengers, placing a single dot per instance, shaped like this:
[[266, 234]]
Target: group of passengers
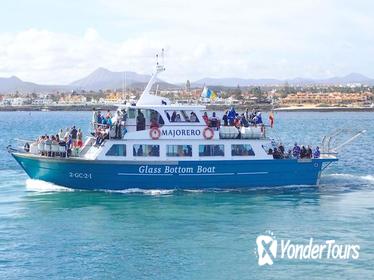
[[246, 119], [109, 126], [296, 152], [153, 152], [60, 144]]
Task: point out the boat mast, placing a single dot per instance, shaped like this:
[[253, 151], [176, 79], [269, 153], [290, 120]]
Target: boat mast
[[159, 68]]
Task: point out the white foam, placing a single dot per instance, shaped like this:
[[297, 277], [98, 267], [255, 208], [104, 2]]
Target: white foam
[[42, 186], [142, 191], [348, 178]]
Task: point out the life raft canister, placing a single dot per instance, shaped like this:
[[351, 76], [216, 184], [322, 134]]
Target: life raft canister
[[155, 133], [208, 133]]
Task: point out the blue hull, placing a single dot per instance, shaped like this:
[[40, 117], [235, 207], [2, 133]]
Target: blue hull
[[225, 174]]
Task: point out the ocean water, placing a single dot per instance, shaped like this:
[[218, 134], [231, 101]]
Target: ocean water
[[50, 232]]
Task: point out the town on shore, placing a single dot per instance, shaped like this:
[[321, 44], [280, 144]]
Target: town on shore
[[281, 97]]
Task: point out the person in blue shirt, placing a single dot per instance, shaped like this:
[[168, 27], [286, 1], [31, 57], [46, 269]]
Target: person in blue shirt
[[258, 118], [317, 153], [296, 151], [99, 118], [231, 116]]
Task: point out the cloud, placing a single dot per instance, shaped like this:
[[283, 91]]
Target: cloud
[[276, 39]]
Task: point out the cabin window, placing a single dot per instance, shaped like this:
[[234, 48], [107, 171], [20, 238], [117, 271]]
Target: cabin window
[[132, 113], [242, 150], [117, 150], [211, 150], [180, 116], [179, 150], [146, 150]]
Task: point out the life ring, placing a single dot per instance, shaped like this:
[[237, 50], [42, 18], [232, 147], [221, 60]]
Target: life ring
[[208, 133], [155, 133]]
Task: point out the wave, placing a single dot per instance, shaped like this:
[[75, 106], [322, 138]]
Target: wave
[[43, 186], [342, 178], [141, 191]]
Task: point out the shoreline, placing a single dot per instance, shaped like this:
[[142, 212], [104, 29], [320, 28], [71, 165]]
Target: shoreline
[[103, 107]]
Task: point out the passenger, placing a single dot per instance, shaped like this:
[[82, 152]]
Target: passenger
[[317, 153], [252, 117], [61, 134], [243, 121], [173, 116], [258, 118], [99, 119], [62, 143], [140, 151], [154, 124], [189, 151], [225, 119], [237, 121], [296, 151], [79, 138], [270, 151], [108, 115], [309, 153], [118, 125], [193, 117], [26, 147], [289, 154], [206, 118], [73, 134], [213, 120], [231, 116], [140, 121], [303, 152], [178, 118], [67, 133], [281, 149], [48, 145], [276, 154], [247, 115]]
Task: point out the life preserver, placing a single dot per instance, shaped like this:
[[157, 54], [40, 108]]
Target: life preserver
[[208, 133], [155, 133]]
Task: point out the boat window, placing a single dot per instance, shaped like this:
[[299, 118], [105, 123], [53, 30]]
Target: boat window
[[146, 150], [242, 150], [179, 150], [181, 116], [211, 150], [118, 150], [131, 113]]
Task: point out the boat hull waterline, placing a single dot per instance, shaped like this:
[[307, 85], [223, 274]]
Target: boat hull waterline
[[217, 174]]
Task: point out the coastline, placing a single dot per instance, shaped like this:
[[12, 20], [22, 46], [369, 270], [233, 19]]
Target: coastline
[[263, 108]]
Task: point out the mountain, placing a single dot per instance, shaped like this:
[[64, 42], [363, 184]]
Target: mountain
[[103, 79], [233, 82], [13, 84]]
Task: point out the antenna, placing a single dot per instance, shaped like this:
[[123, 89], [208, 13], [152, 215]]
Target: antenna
[[162, 57]]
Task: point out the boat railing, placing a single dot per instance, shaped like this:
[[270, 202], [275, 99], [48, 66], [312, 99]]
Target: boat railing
[[332, 143]]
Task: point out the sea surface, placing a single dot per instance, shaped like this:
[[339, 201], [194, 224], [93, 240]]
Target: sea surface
[[50, 232]]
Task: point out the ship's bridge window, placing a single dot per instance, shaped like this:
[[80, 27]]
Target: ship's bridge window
[[211, 150], [118, 150], [179, 150], [242, 150], [141, 150], [180, 116]]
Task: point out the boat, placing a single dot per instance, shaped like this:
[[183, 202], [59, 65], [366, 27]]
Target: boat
[[154, 144]]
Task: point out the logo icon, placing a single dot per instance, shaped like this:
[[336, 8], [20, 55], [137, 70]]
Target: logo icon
[[266, 249]]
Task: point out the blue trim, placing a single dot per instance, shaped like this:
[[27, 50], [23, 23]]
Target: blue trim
[[87, 174]]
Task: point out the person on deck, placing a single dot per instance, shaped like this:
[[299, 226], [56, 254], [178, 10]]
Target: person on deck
[[193, 117], [140, 121], [303, 152], [225, 119], [213, 120], [309, 153], [173, 116], [243, 121], [296, 151], [317, 153], [206, 118], [231, 116]]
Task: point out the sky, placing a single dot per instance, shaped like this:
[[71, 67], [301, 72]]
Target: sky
[[57, 42]]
